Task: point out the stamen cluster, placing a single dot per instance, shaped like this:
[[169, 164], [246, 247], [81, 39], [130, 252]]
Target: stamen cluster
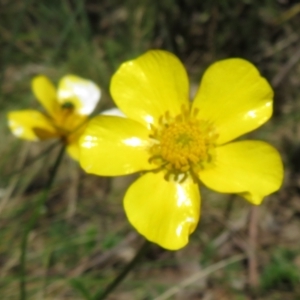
[[182, 145], [67, 121]]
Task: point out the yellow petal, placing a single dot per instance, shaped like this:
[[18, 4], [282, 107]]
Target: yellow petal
[[73, 150], [72, 141], [252, 169], [84, 94], [147, 87], [234, 97], [113, 145], [165, 212], [31, 125], [45, 93]]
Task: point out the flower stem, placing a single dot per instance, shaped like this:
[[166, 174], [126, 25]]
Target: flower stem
[[229, 207], [101, 295], [32, 221]]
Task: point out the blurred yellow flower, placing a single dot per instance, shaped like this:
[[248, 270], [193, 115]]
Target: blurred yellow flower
[[67, 109], [178, 143]]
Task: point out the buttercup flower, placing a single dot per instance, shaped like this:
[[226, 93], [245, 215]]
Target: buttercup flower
[[177, 143], [67, 109]]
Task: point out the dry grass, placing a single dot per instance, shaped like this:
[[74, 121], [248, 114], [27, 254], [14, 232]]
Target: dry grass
[[82, 237]]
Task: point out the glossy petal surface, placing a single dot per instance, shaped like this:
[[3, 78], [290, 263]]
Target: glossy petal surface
[[31, 125], [82, 93], [114, 146], [252, 169], [147, 87], [234, 97], [45, 93], [113, 112], [164, 212]]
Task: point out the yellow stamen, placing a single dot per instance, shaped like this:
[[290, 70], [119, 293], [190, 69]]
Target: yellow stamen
[[182, 144], [67, 121]]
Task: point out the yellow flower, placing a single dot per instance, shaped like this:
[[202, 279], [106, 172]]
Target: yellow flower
[[178, 143], [67, 109]]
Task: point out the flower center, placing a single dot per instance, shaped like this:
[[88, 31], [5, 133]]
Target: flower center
[[67, 121], [183, 144], [67, 105]]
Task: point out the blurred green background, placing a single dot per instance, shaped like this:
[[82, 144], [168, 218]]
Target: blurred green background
[[82, 238]]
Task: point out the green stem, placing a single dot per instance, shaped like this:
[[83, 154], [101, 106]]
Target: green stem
[[112, 286], [229, 207], [33, 220]]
